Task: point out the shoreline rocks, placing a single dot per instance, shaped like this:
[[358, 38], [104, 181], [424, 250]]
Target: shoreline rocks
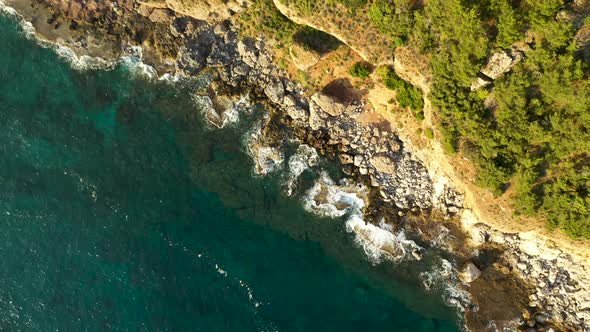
[[399, 184]]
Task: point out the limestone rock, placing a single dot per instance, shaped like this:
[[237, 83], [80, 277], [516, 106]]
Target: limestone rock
[[207, 10], [469, 273], [160, 15], [303, 58], [498, 64], [328, 105], [358, 160], [480, 82], [275, 91], [346, 159], [383, 164], [315, 121]]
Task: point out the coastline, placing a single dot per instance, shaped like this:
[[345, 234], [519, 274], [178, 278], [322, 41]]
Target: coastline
[[519, 248]]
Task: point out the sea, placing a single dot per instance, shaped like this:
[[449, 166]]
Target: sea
[[122, 209]]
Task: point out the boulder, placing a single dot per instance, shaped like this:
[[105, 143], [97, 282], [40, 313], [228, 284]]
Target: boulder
[[315, 121], [469, 273], [327, 104], [358, 160], [275, 91], [498, 64], [297, 113], [346, 159], [383, 164], [303, 58]]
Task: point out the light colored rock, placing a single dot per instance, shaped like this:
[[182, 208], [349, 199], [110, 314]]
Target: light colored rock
[[383, 164], [530, 247], [315, 121], [328, 105], [346, 159], [275, 91], [160, 15], [358, 160], [479, 83], [498, 64], [303, 58], [297, 113], [549, 254], [208, 10], [469, 273]]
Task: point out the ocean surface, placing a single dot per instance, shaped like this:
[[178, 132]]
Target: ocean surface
[[121, 210]]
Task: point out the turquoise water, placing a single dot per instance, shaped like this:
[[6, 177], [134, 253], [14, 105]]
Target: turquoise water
[[120, 211]]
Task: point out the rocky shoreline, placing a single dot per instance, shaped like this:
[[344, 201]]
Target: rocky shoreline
[[516, 280]]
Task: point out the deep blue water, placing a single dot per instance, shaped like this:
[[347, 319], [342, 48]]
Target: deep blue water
[[120, 211]]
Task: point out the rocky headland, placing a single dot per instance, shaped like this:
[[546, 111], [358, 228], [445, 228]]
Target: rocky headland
[[514, 279]]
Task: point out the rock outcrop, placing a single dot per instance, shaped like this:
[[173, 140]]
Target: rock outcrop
[[498, 64], [303, 58], [206, 10], [469, 273]]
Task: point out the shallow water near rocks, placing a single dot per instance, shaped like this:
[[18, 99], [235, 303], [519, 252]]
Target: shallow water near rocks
[[120, 210]]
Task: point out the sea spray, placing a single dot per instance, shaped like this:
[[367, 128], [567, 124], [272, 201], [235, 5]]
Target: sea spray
[[266, 159], [304, 158], [443, 277], [131, 58]]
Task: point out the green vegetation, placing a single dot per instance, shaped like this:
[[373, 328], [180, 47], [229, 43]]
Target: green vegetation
[[262, 17], [361, 70], [530, 131], [352, 4], [394, 18], [407, 95]]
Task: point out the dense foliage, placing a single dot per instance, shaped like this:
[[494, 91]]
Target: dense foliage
[[395, 18], [406, 94], [530, 131], [361, 70]]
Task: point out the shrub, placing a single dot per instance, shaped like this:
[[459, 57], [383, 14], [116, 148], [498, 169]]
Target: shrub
[[406, 94], [361, 70]]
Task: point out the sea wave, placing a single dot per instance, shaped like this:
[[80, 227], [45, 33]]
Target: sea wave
[[132, 57], [330, 199], [443, 277], [266, 159], [304, 158]]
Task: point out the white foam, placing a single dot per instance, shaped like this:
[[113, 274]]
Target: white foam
[[266, 159], [132, 57], [443, 277], [304, 158], [328, 199]]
